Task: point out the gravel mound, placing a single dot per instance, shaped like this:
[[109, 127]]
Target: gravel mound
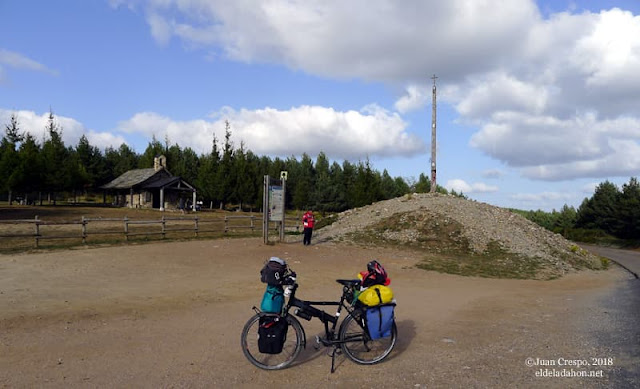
[[439, 223]]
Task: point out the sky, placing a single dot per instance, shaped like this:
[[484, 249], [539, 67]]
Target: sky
[[537, 102]]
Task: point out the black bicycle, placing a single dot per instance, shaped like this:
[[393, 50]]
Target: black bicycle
[[352, 337]]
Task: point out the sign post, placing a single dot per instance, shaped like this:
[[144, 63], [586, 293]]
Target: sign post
[[274, 205]]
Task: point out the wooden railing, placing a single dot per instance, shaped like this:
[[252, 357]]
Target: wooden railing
[[40, 229]]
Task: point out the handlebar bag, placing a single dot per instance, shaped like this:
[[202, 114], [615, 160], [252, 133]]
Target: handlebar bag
[[272, 334], [379, 320], [273, 299], [274, 271]]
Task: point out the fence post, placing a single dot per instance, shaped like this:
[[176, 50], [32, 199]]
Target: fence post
[[226, 227], [163, 224], [37, 224], [126, 228], [84, 230], [196, 227], [252, 225]]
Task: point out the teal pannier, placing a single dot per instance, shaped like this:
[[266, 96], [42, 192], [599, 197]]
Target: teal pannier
[[273, 299]]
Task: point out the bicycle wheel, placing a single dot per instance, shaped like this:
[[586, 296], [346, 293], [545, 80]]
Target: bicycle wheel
[[291, 349], [358, 346]]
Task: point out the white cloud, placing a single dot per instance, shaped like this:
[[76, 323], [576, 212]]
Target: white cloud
[[462, 186], [342, 135], [622, 160], [415, 98], [351, 135], [493, 173], [555, 96], [590, 188], [500, 91], [371, 39], [19, 61], [35, 124], [542, 197], [611, 52], [548, 148], [160, 28]]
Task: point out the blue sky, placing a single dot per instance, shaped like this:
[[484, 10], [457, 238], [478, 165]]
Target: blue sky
[[537, 101]]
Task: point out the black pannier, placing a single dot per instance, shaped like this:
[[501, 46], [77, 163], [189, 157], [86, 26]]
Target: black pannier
[[272, 334]]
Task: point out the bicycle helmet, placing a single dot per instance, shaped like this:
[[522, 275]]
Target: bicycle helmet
[[375, 275]]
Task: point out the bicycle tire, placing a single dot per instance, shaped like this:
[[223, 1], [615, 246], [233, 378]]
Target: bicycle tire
[[358, 346], [292, 346]]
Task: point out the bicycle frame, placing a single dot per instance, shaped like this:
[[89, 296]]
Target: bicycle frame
[[308, 308]]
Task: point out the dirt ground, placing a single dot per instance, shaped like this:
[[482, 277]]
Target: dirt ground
[[170, 315]]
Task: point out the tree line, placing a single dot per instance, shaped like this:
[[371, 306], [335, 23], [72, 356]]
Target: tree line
[[611, 211], [47, 169]]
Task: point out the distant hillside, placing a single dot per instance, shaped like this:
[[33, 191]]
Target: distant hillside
[[461, 236]]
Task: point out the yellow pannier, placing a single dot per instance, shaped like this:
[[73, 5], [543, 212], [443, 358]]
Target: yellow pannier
[[376, 295]]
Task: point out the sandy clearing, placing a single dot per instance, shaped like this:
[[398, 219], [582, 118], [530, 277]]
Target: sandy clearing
[[170, 315]]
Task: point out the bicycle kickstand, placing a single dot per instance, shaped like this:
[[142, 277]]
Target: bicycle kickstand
[[333, 359], [336, 351]]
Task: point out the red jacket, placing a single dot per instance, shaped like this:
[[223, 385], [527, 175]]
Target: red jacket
[[308, 220]]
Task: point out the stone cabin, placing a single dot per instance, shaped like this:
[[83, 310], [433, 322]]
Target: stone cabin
[[153, 188]]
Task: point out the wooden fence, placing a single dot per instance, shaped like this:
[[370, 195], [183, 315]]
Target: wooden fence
[[82, 230]]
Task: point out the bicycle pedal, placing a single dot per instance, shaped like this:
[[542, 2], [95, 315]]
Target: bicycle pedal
[[317, 345], [322, 341]]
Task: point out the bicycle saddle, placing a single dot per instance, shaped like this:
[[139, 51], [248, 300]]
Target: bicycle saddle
[[349, 282]]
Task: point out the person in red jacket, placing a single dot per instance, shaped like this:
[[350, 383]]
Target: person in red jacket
[[307, 222]]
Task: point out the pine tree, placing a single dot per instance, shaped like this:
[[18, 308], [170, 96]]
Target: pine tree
[[388, 186], [324, 195], [244, 191], [226, 179], [120, 161], [305, 183], [78, 175], [599, 212], [206, 181], [9, 157], [565, 220], [94, 162], [348, 186], [403, 187], [57, 171], [629, 210], [28, 176], [423, 185], [154, 149]]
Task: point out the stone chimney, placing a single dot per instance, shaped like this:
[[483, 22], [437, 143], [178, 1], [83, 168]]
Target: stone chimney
[[159, 162]]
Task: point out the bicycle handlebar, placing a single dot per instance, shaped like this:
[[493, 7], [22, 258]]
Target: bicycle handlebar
[[290, 279]]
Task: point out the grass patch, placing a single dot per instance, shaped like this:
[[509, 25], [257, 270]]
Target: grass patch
[[494, 262], [580, 259], [417, 230]]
